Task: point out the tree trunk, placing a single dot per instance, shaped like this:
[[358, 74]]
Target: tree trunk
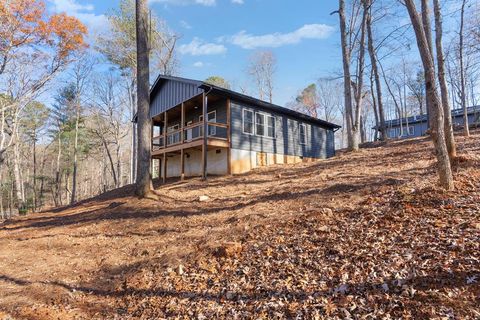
[[427, 28], [374, 106], [75, 160], [463, 94], [42, 182], [57, 198], [356, 130], [16, 173], [2, 215], [389, 89], [346, 76], [119, 167], [378, 85], [449, 138], [34, 170], [133, 151], [144, 178], [112, 164], [438, 135]]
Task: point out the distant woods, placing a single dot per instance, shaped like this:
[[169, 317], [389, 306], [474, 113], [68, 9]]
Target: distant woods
[[82, 142]]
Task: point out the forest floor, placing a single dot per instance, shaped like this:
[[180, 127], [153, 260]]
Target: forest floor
[[363, 235]]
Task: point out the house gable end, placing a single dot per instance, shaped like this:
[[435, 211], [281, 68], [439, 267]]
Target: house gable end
[[171, 93]]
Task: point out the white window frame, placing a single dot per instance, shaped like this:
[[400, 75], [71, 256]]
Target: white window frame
[[214, 129], [253, 121], [264, 123], [266, 126], [274, 126], [300, 133]]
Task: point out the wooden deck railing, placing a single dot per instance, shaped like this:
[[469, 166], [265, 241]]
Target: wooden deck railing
[[191, 132]]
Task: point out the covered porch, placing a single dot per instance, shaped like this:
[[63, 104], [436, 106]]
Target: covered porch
[[178, 137]]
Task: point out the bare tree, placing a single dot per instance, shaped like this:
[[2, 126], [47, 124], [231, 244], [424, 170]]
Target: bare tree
[[378, 103], [438, 134], [144, 178], [80, 75], [463, 93], [330, 96], [449, 138], [346, 55], [262, 67], [353, 38], [108, 121]]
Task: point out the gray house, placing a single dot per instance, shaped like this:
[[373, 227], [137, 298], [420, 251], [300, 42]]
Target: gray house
[[242, 132], [416, 126]]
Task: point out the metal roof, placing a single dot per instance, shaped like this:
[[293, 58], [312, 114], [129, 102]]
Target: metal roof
[[240, 97]]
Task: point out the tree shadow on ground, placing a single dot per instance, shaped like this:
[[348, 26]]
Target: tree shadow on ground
[[436, 281], [122, 211]]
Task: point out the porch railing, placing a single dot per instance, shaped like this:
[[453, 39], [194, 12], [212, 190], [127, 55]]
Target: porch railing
[[190, 133]]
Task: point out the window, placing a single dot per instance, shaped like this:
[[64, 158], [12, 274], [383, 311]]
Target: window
[[303, 133], [211, 117], [175, 136], [260, 124], [271, 126], [247, 121]]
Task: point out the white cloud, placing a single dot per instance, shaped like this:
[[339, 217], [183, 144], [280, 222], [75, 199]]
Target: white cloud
[[238, 1], [208, 3], [274, 40], [198, 64], [198, 48], [70, 6], [84, 13], [185, 24]]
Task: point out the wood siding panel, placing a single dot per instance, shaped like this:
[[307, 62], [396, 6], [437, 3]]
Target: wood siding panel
[[171, 94], [320, 141]]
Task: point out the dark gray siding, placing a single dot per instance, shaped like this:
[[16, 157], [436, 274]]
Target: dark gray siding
[[320, 141], [171, 94], [419, 128]]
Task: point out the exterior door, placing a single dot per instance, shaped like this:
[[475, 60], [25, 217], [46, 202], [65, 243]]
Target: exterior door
[[189, 131], [211, 117]]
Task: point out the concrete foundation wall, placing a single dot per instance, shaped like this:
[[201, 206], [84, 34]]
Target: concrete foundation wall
[[216, 163], [244, 160]]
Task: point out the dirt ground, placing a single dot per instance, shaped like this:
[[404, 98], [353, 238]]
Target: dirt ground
[[366, 235]]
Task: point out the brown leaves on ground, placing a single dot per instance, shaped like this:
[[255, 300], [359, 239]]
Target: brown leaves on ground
[[364, 235]]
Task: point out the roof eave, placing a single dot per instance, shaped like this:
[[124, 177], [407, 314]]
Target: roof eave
[[271, 106]]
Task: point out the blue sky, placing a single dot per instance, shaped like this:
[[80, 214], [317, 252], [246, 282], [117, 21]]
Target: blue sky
[[218, 36]]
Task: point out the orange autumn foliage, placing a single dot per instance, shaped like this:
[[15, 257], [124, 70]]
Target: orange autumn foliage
[[26, 23]]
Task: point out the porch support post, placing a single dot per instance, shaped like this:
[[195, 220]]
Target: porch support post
[[151, 139], [205, 136], [229, 157], [182, 125], [165, 125], [182, 139], [182, 164], [164, 175]]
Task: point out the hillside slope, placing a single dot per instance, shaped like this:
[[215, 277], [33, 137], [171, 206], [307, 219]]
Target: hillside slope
[[356, 235]]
